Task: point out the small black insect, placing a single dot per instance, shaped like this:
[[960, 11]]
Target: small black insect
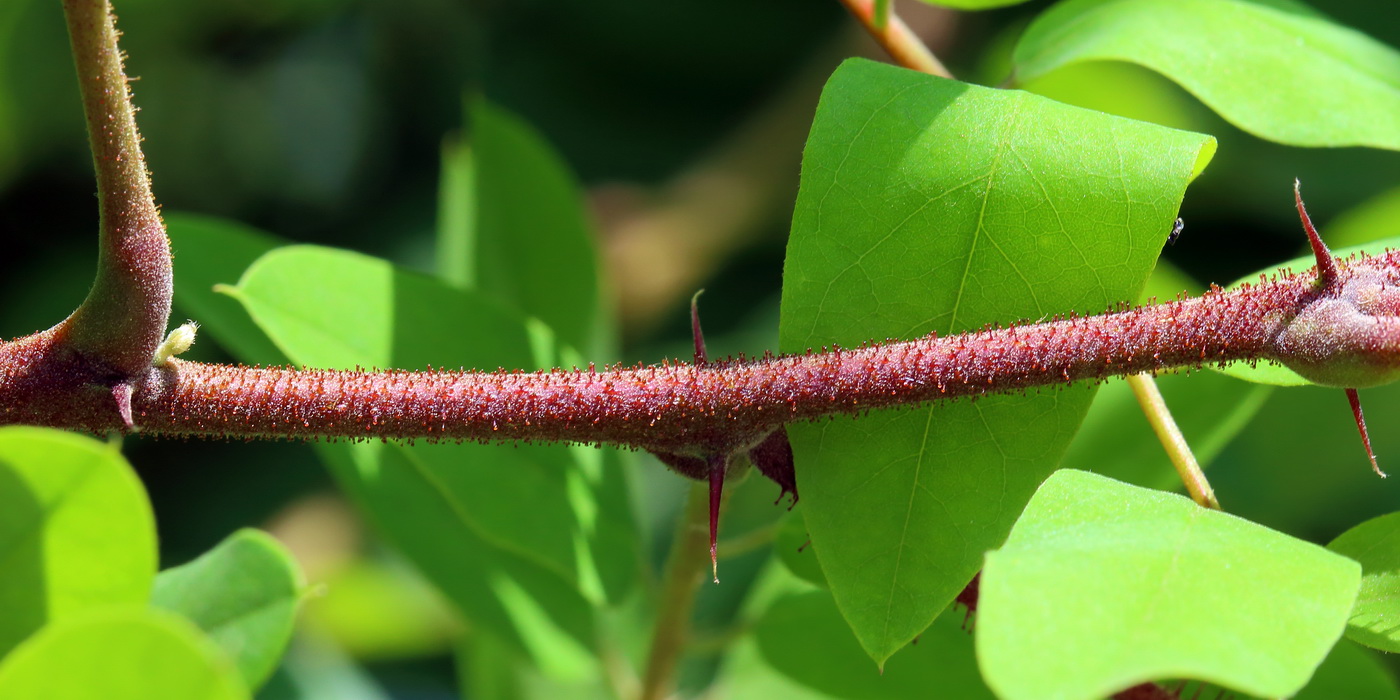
[[1176, 231]]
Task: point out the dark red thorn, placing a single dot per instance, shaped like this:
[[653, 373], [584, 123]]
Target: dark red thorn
[[700, 356], [1327, 271], [1355, 401], [121, 393], [717, 467], [773, 458]]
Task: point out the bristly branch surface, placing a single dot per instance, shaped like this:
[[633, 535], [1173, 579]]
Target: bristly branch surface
[[123, 319]]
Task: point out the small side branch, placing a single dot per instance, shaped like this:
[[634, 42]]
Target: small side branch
[[123, 319], [1160, 417], [896, 38]]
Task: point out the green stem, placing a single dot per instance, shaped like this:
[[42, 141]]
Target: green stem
[[123, 319], [1160, 417], [685, 566]]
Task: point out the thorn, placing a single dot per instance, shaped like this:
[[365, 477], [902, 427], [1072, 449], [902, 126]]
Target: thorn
[[699, 335], [1355, 401], [717, 465], [773, 458], [121, 393], [1327, 270]]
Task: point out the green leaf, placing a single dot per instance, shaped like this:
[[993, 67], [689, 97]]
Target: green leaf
[[332, 308], [1102, 586], [1268, 372], [794, 548], [243, 593], [513, 226], [1375, 219], [927, 205], [128, 654], [1376, 545], [1353, 672], [76, 530], [1274, 68], [211, 252], [803, 636]]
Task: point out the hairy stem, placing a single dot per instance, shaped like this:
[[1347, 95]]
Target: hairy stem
[[722, 406], [1155, 408], [123, 319]]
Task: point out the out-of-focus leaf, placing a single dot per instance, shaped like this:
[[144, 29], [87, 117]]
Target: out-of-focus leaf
[[1350, 672], [76, 530], [129, 654], [243, 593], [803, 636], [377, 612], [513, 226], [1274, 68], [1375, 543], [1102, 586], [331, 308], [931, 205]]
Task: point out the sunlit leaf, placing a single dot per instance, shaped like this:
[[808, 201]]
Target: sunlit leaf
[[76, 530], [1274, 68], [931, 205], [1102, 586], [243, 593], [125, 654]]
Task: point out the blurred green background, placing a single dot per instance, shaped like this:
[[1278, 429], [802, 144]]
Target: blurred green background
[[323, 121]]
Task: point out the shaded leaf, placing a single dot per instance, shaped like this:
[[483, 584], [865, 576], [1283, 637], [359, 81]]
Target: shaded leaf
[[1274, 68], [1102, 586], [1350, 671], [512, 225], [214, 251], [243, 593], [333, 308], [130, 654], [76, 530], [1375, 543], [803, 636], [931, 205]]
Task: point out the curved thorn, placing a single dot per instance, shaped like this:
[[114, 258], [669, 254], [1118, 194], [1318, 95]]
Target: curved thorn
[[1355, 401], [1327, 270], [699, 335]]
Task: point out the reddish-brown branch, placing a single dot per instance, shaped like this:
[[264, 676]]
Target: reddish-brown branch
[[897, 39], [728, 406], [123, 319]]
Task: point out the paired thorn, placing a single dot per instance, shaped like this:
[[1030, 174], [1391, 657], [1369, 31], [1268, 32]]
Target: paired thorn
[[718, 463], [1327, 271], [700, 355], [1355, 402], [121, 393]]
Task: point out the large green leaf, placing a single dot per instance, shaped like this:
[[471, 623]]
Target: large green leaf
[[802, 636], [1274, 68], [76, 530], [125, 654], [512, 225], [536, 508], [1102, 585], [1376, 544], [931, 205], [243, 593]]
